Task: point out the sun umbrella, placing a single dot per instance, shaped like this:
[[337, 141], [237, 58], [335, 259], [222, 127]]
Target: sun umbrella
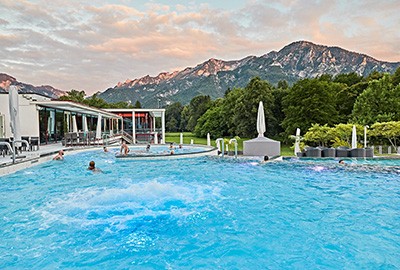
[[181, 138], [14, 112], [208, 139], [354, 138], [155, 137], [98, 128], [84, 123], [260, 120], [74, 124], [297, 142]]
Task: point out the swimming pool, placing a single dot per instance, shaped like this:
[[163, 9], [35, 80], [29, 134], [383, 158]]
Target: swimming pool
[[199, 213], [162, 150]]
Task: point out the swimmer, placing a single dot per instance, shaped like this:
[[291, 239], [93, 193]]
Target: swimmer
[[180, 146], [171, 146], [105, 149], [92, 167], [124, 148], [266, 158], [341, 161], [59, 156], [148, 147]]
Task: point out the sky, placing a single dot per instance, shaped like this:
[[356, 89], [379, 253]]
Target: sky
[[93, 45]]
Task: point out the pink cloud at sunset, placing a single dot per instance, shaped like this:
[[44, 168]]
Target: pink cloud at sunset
[[92, 46]]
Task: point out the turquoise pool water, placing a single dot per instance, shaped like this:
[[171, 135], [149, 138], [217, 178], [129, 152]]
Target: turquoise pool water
[[162, 150], [204, 212]]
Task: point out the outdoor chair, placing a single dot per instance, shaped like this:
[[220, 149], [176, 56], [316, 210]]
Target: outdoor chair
[[82, 138], [34, 143], [313, 152], [342, 151], [67, 139], [357, 152], [24, 146], [74, 138], [329, 152], [369, 152]]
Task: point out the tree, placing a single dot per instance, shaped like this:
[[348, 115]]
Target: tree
[[282, 84], [173, 116], [138, 105], [380, 102], [95, 101], [74, 95], [319, 135], [197, 107], [341, 134], [345, 99], [389, 130], [277, 110], [396, 77], [184, 118], [212, 122], [246, 108], [310, 101], [349, 79]]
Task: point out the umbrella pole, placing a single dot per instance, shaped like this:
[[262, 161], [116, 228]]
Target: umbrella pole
[[13, 152]]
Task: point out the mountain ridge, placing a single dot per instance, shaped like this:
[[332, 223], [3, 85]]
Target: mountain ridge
[[297, 60], [24, 88]]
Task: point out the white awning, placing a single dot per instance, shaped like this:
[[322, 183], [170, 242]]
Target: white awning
[[76, 107]]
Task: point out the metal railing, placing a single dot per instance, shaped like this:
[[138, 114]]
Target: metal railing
[[235, 144], [127, 137], [223, 145]]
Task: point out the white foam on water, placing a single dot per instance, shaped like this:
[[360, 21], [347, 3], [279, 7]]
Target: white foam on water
[[118, 206]]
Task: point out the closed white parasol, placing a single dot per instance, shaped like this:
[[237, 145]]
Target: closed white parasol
[[354, 138], [261, 120], [297, 142], [98, 128], [14, 112]]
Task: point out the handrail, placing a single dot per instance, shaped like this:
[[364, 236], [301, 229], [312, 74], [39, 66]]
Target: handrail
[[223, 145], [13, 146], [128, 136], [104, 137], [8, 145], [235, 141]]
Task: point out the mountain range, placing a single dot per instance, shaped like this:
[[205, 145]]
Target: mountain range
[[44, 90], [298, 60]]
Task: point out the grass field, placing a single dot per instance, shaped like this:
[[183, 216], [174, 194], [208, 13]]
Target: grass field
[[188, 136]]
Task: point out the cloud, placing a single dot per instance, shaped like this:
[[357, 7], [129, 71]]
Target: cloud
[[76, 45]]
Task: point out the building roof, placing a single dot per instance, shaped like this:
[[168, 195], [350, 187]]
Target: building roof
[[75, 107], [152, 112]]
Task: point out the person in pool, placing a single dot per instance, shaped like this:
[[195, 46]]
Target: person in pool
[[92, 167], [105, 149], [148, 147], [59, 156], [124, 148], [341, 161]]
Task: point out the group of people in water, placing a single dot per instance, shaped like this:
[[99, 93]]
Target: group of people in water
[[124, 150]]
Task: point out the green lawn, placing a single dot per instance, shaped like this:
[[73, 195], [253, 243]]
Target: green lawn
[[187, 136]]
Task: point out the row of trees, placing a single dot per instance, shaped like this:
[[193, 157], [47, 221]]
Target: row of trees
[[341, 134], [95, 101], [326, 100]]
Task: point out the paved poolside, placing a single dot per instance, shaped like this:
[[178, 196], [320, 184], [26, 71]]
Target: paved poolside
[[30, 158]]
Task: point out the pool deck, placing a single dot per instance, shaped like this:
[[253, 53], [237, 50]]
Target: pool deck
[[31, 158], [47, 152]]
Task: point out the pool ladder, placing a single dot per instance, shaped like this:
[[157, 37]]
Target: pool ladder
[[12, 148], [223, 145]]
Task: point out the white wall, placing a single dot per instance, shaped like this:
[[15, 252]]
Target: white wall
[[29, 115]]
